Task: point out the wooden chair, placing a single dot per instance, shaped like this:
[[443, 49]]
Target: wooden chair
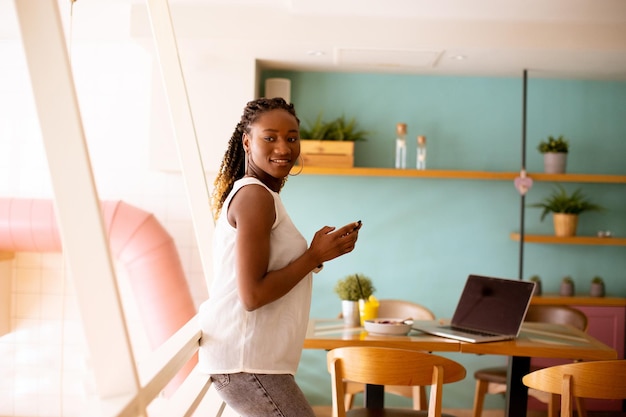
[[388, 366], [396, 309], [494, 380], [601, 379]]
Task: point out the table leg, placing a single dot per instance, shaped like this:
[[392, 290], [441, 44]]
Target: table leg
[[374, 396], [517, 392]]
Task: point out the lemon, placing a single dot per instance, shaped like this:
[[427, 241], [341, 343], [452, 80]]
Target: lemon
[[373, 300]]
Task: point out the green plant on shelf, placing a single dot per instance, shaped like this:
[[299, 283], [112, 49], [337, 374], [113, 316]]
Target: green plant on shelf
[[558, 145], [597, 287], [339, 129], [562, 202], [567, 286]]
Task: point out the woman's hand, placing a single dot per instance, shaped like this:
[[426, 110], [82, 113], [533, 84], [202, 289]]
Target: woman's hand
[[329, 243]]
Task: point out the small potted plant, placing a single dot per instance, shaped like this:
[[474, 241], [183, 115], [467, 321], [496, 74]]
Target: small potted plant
[[554, 154], [339, 129], [350, 290], [597, 287], [565, 208], [330, 143], [567, 287], [537, 280]]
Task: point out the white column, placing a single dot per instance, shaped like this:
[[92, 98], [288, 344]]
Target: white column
[[77, 203], [183, 126]]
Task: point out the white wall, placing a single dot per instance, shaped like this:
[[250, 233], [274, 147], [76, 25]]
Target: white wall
[[44, 368]]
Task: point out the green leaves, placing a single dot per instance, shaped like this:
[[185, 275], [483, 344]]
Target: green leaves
[[337, 129], [554, 145], [561, 202], [349, 289]]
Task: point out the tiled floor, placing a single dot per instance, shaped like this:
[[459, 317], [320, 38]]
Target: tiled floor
[[325, 411]]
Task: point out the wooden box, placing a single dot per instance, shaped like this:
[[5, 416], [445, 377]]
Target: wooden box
[[327, 153]]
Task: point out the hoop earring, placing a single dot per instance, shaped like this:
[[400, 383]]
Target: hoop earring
[[301, 167]]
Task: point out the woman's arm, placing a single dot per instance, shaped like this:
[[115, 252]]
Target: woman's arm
[[252, 212]]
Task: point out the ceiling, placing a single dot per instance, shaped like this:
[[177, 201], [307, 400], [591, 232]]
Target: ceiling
[[549, 38]]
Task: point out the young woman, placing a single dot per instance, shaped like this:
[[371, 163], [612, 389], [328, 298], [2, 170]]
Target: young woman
[[255, 320]]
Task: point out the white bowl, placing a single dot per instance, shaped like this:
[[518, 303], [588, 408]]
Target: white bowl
[[386, 326]]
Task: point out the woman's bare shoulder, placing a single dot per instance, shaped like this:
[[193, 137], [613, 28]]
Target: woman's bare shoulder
[[252, 202]]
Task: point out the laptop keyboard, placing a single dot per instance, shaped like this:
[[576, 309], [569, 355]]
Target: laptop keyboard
[[476, 332]]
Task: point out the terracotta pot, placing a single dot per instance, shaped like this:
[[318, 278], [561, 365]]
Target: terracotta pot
[[565, 224], [554, 162]]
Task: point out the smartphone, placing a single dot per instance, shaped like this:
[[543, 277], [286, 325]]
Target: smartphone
[[357, 227]]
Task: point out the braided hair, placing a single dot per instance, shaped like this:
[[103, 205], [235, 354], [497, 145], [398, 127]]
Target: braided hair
[[233, 163]]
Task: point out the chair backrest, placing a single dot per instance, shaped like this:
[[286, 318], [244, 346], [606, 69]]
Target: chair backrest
[[388, 366], [598, 379], [404, 309], [557, 314]]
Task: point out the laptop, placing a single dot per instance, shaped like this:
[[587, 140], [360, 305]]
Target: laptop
[[489, 310]]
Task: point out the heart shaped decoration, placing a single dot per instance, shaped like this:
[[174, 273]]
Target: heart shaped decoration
[[523, 184]]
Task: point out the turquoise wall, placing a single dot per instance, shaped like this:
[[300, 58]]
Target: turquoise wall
[[422, 237]]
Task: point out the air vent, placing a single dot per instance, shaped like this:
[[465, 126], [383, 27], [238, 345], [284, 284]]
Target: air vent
[[389, 58]]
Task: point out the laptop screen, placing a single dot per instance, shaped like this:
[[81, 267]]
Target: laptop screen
[[493, 305]]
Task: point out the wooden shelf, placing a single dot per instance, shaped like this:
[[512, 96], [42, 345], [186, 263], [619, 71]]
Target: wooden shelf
[[556, 299], [574, 240], [600, 178], [454, 174], [409, 173]]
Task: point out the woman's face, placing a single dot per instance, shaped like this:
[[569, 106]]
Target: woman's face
[[273, 144]]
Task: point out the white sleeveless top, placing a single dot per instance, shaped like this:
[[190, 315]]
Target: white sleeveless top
[[269, 339]]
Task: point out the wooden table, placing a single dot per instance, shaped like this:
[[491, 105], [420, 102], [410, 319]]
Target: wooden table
[[535, 340]]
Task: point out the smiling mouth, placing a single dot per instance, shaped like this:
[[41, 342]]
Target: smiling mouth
[[281, 161]]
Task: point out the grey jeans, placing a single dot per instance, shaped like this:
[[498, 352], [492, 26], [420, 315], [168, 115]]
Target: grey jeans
[[262, 395]]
